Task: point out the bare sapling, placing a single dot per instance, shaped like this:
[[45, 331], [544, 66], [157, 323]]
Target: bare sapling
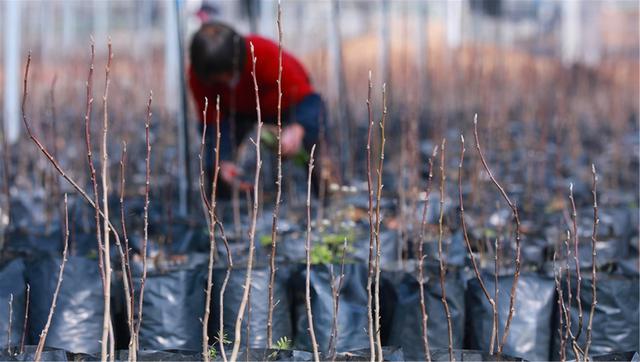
[[106, 323], [98, 210], [557, 276], [421, 257], [336, 287], [576, 255], [93, 202], [124, 260], [145, 238], [212, 239], [516, 218], [379, 172], [594, 240], [52, 309], [10, 323], [443, 269], [48, 155], [307, 248], [570, 336], [276, 209], [370, 329], [223, 288], [207, 211], [254, 216], [465, 234], [26, 319]]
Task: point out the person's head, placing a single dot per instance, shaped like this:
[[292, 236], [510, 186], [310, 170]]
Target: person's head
[[216, 52]]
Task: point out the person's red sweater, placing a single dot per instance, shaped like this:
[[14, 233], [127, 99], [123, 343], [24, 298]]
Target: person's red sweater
[[295, 84]]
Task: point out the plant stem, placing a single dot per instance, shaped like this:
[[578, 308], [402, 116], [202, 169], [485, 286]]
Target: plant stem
[[124, 260], [312, 333], [212, 238], [440, 256], [106, 323], [26, 319], [378, 222], [52, 309], [516, 217], [10, 323], [370, 329], [594, 235], [252, 231], [145, 240], [423, 309], [335, 292], [576, 256], [276, 210], [465, 234]]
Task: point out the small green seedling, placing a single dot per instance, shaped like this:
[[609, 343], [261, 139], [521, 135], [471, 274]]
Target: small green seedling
[[282, 343]]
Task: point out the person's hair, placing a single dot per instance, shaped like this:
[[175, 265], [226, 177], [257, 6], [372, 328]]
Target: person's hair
[[216, 48]]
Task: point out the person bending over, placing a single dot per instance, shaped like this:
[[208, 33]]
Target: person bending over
[[221, 65]]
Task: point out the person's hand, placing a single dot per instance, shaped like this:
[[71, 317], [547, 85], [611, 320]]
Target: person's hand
[[230, 173], [292, 137]]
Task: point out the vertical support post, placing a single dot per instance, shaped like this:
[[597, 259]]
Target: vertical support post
[[337, 85], [570, 31], [385, 43], [175, 95], [12, 35]]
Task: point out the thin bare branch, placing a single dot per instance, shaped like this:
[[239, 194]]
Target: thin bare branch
[[276, 209], [421, 256], [252, 231], [370, 329], [594, 240], [379, 172], [52, 309], [312, 333], [145, 239], [465, 234], [443, 269], [26, 319], [516, 217]]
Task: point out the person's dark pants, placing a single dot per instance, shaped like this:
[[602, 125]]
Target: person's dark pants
[[310, 113]]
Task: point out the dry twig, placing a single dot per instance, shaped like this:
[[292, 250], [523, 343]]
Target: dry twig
[[145, 239], [371, 229], [106, 323], [440, 256], [26, 319], [516, 217], [378, 222], [52, 309], [594, 235], [494, 328], [276, 209], [252, 231], [312, 333], [423, 309]]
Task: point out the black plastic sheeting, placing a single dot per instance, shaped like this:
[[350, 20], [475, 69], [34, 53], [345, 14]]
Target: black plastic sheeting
[[257, 324], [262, 354], [150, 355], [615, 320], [389, 353], [48, 354], [352, 314], [406, 326], [12, 282], [77, 322], [174, 298], [530, 334], [470, 355], [631, 356]]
